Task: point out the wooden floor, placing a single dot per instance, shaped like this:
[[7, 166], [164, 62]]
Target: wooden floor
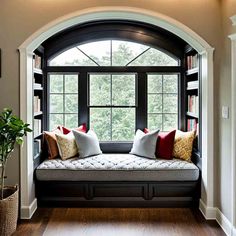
[[118, 222]]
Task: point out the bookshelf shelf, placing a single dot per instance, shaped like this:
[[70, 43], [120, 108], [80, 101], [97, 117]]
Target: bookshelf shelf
[[191, 114], [192, 71], [192, 94], [38, 101], [39, 113], [193, 88], [38, 88], [38, 136], [38, 71]]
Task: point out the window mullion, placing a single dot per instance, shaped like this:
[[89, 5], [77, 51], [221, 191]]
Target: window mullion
[[162, 100], [83, 98], [111, 103], [141, 109]]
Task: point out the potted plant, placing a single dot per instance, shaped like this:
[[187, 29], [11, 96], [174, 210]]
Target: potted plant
[[12, 131]]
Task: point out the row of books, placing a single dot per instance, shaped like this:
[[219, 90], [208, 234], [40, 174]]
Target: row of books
[[192, 84], [37, 104], [37, 147], [37, 127], [192, 62], [37, 61], [192, 124], [193, 104]]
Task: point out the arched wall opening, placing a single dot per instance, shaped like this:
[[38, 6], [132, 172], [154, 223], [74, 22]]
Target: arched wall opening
[[28, 202]]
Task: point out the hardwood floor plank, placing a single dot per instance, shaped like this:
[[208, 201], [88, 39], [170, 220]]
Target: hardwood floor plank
[[118, 222]]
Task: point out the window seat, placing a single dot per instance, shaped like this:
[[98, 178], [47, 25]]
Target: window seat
[[118, 180], [116, 167]]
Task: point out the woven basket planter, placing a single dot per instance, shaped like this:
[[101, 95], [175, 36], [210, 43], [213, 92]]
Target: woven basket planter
[[9, 211]]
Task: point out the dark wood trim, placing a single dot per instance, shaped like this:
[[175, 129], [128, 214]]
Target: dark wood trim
[[141, 110], [114, 69], [117, 194], [116, 29]]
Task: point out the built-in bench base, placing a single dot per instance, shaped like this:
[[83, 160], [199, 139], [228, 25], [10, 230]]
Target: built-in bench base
[[117, 194]]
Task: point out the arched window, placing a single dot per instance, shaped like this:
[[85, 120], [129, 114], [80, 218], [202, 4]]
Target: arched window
[[115, 77]]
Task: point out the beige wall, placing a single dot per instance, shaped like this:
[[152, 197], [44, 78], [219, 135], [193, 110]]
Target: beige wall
[[21, 18]]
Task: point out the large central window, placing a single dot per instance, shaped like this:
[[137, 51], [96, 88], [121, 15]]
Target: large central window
[[112, 103], [115, 86]]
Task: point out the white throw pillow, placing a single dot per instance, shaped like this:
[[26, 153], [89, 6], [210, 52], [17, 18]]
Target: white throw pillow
[[145, 144], [87, 143]]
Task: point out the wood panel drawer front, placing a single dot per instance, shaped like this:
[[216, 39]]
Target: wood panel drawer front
[[62, 189], [119, 190], [170, 190]]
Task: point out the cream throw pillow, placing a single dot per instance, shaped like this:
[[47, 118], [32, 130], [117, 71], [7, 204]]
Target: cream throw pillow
[[66, 145], [183, 144]]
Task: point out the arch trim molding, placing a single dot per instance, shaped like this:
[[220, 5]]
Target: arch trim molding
[[28, 202]]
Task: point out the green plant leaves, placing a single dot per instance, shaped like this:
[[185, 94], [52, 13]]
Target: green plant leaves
[[12, 130]]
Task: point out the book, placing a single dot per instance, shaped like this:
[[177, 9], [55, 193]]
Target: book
[[193, 104], [37, 61], [192, 61], [37, 127], [37, 104], [192, 124]]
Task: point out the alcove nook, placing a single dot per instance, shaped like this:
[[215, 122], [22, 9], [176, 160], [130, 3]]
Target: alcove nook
[[28, 200]]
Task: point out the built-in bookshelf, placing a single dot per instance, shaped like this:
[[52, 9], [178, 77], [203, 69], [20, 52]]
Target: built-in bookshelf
[[38, 85], [192, 92]]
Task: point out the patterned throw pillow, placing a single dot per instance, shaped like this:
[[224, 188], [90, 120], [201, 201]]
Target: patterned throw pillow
[[66, 145], [50, 138], [183, 144]]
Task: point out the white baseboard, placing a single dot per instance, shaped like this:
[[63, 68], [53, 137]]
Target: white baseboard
[[233, 231], [224, 223], [208, 212], [213, 213], [26, 212]]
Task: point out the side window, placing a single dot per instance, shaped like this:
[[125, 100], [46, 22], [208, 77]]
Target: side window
[[163, 101], [63, 100]]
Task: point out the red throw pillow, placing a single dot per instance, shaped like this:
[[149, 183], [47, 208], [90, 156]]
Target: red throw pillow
[[81, 128], [165, 144]]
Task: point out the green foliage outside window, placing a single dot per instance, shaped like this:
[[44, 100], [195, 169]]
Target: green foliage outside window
[[111, 90]]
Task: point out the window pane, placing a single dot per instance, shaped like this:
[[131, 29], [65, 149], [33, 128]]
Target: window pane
[[98, 51], [56, 83], [154, 103], [170, 103], [71, 57], [56, 103], [100, 122], [71, 103], [55, 120], [154, 83], [154, 57], [154, 121], [123, 52], [170, 122], [71, 120], [170, 83], [123, 124], [71, 83], [100, 90], [123, 90]]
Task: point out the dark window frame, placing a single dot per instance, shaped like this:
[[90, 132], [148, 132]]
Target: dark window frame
[[152, 36]]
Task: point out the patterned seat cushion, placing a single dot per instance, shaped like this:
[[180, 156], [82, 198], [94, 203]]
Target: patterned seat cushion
[[117, 167]]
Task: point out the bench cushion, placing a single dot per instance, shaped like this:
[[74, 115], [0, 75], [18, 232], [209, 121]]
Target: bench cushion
[[117, 167]]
